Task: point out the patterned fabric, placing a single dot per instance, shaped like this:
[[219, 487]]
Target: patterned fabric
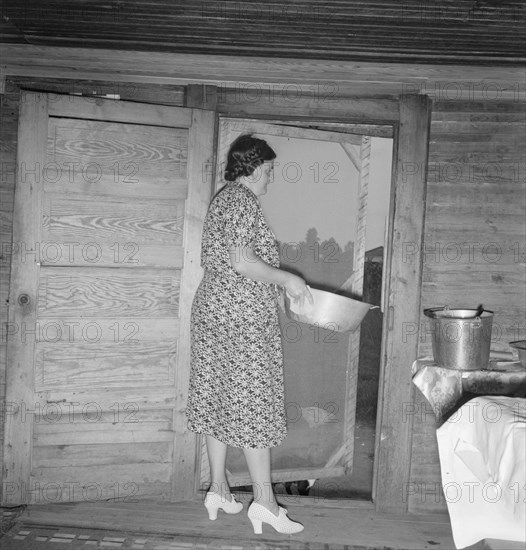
[[236, 389]]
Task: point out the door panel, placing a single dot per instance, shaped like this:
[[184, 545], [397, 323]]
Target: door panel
[[126, 155], [106, 228]]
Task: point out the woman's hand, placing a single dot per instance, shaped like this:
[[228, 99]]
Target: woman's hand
[[297, 289], [281, 299], [246, 262]]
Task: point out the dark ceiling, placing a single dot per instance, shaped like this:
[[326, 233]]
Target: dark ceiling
[[427, 31]]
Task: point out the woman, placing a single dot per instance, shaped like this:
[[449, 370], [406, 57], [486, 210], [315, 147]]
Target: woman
[[236, 394]]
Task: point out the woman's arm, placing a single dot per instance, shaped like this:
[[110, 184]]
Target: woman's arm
[[245, 261]]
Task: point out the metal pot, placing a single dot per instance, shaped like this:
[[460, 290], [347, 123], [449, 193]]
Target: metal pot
[[461, 337], [328, 310]]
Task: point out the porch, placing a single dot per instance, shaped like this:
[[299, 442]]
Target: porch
[[149, 525]]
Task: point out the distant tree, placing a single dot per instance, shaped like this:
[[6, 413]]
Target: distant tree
[[348, 252], [330, 251], [312, 236], [323, 264]]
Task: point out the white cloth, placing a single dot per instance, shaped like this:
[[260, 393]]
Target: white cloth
[[482, 450]]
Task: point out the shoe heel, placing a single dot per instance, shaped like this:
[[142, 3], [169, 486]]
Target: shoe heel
[[212, 512], [258, 526]]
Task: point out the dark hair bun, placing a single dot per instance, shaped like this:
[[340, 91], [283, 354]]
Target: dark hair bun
[[245, 155], [234, 171]]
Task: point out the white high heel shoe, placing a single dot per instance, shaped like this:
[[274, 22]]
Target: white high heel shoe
[[258, 515], [214, 502]]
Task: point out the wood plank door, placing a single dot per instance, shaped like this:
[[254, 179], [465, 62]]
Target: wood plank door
[[320, 401], [110, 199]]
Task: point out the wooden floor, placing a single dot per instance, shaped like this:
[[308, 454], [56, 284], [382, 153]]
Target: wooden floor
[[335, 527]]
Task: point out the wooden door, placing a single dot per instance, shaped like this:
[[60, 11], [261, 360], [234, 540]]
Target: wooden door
[[320, 405], [109, 204]]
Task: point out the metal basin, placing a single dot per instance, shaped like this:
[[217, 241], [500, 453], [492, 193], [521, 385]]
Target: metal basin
[[328, 310]]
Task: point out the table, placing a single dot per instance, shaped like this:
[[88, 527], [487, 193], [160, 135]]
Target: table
[[444, 387], [481, 446], [483, 468]]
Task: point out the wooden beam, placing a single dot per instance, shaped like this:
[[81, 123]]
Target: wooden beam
[[200, 150], [356, 290], [286, 78], [20, 383], [309, 107], [201, 96], [291, 474], [350, 132], [338, 454], [144, 92], [393, 449], [300, 131], [361, 222], [361, 160], [353, 154], [73, 106]]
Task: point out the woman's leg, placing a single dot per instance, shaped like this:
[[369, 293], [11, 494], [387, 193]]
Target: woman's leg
[[217, 458], [258, 461]]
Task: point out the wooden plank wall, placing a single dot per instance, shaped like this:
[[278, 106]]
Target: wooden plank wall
[[8, 144], [411, 30], [9, 106], [474, 241]]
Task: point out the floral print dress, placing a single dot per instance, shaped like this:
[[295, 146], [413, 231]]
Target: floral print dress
[[236, 391]]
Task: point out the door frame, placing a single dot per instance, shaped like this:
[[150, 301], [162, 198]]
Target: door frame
[[338, 135], [409, 116]]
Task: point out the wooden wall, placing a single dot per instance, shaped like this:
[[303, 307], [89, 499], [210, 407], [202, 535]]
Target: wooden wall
[[9, 106], [412, 30], [475, 194], [8, 142], [475, 234]]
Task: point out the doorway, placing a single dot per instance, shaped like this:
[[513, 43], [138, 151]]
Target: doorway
[[313, 207], [409, 118], [318, 209]]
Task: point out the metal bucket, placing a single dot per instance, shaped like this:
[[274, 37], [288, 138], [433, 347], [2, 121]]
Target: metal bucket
[[461, 337]]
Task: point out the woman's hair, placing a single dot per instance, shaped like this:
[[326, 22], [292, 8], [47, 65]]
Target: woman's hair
[[245, 155]]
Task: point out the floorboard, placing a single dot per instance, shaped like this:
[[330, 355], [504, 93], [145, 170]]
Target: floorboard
[[186, 524]]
